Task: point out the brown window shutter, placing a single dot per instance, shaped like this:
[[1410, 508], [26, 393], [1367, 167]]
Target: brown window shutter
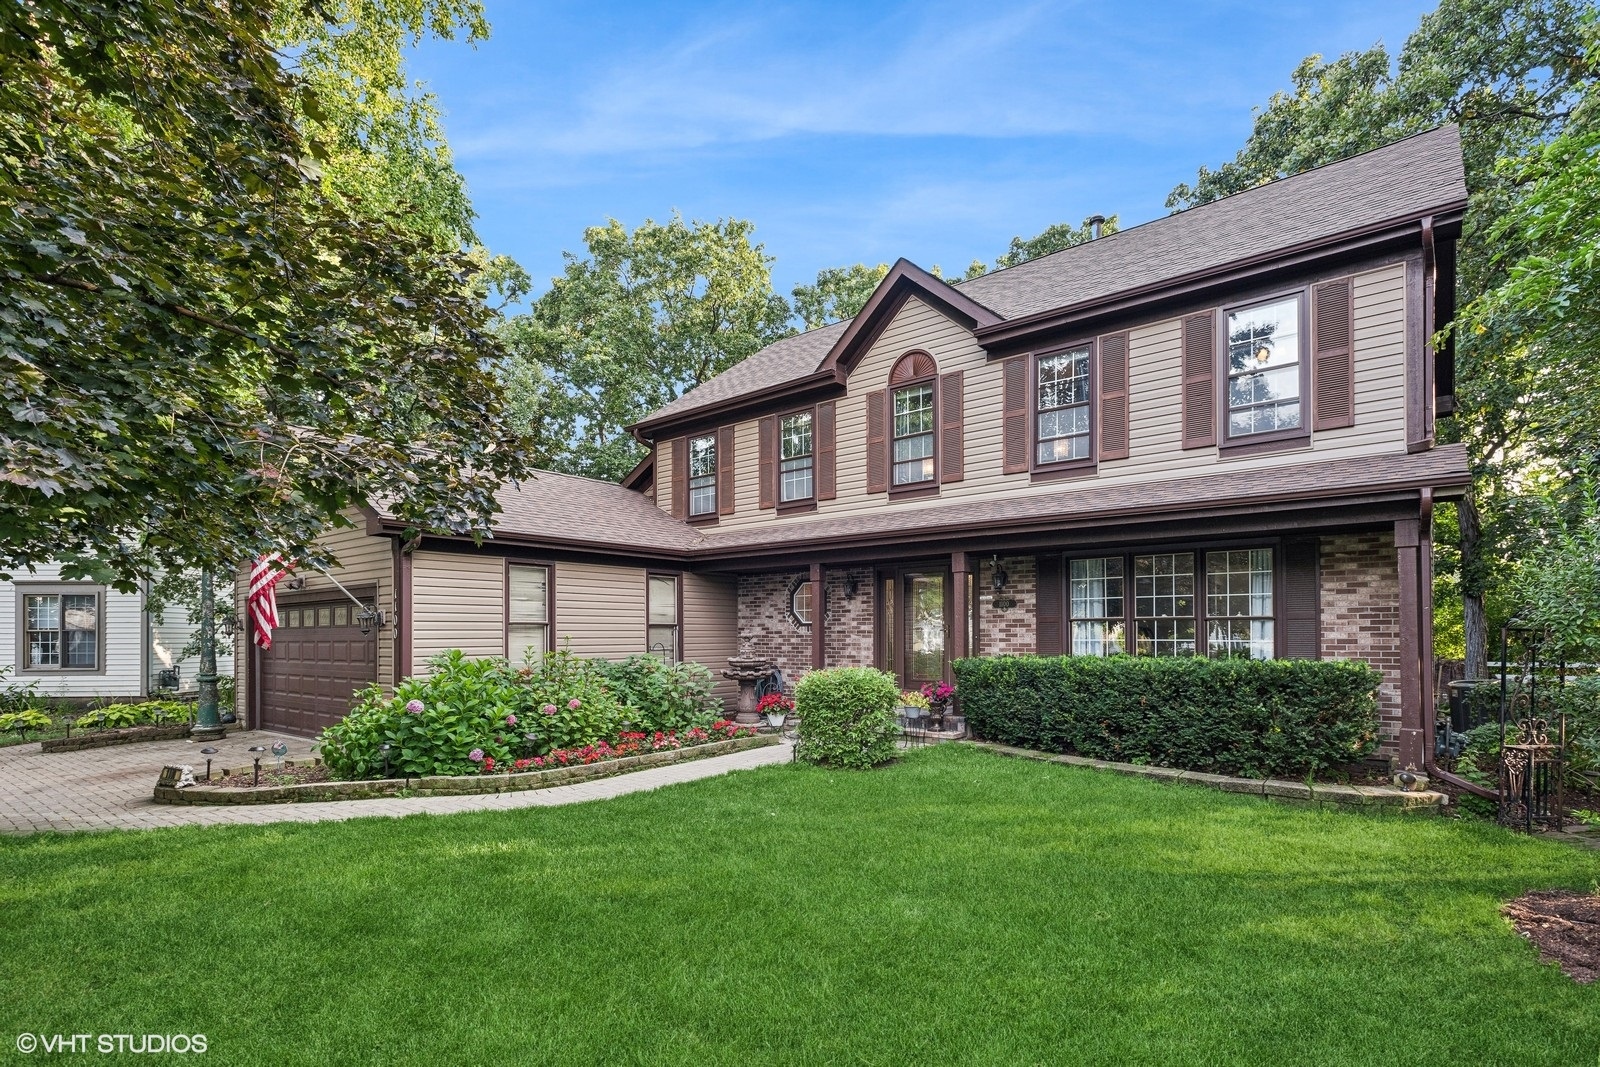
[[826, 450], [1049, 626], [1199, 381], [1015, 414], [952, 459], [1332, 358], [767, 463], [1302, 601], [878, 441], [725, 471], [680, 477], [1114, 396]]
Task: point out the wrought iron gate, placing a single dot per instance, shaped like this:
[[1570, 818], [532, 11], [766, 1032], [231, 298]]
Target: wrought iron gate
[[1532, 765]]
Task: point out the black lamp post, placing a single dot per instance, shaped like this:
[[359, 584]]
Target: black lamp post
[[256, 751], [208, 752], [207, 726], [385, 748]]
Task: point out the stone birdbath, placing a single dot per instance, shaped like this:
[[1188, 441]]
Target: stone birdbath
[[747, 669]]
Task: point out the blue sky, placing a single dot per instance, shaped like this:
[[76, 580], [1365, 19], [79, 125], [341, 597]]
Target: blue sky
[[861, 132]]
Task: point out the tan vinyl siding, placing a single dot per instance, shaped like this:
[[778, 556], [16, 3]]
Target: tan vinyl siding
[[457, 601], [711, 627], [600, 609], [1155, 404], [663, 476]]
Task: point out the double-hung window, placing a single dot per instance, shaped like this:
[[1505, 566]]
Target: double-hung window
[[1265, 370], [913, 435], [528, 620], [1163, 604], [796, 457], [1061, 398], [1239, 604], [61, 631], [661, 594], [702, 476], [1095, 588]]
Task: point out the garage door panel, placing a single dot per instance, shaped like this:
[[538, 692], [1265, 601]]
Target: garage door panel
[[318, 660]]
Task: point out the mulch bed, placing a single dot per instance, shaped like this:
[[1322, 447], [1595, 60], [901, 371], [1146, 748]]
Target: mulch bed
[[1565, 926], [270, 775]]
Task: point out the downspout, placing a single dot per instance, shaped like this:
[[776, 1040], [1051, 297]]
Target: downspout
[[1424, 599]]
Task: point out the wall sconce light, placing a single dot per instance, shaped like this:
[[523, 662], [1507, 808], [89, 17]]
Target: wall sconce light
[[1000, 576], [296, 582], [367, 618], [852, 585], [227, 624]]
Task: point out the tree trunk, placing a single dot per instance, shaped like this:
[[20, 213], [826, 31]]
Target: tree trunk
[[1474, 624]]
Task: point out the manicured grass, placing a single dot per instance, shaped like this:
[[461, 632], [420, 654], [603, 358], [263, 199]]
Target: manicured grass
[[954, 908]]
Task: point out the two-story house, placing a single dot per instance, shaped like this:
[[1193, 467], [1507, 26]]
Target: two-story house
[[1212, 435]]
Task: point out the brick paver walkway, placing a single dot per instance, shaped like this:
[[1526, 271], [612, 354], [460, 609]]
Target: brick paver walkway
[[109, 788]]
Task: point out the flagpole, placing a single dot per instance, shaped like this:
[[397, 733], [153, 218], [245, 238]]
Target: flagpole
[[207, 725]]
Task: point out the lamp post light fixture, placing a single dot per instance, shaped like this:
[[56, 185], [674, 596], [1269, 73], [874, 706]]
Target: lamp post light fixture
[[385, 749], [256, 751], [208, 752], [207, 726]]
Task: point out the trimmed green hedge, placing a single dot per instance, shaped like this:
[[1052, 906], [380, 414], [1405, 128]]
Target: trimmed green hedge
[[1258, 718], [847, 717]]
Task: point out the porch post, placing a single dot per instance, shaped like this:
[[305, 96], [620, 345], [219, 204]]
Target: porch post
[[1413, 712], [959, 612], [819, 615]]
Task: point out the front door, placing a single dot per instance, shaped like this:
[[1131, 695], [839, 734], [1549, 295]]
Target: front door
[[924, 618]]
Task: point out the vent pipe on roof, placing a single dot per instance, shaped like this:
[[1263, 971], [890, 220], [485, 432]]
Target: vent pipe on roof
[[1095, 222]]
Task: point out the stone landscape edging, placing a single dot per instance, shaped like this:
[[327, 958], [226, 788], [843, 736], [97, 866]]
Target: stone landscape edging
[[444, 785], [1376, 797], [125, 735]]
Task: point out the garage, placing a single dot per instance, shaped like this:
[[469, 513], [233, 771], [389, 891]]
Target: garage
[[318, 659]]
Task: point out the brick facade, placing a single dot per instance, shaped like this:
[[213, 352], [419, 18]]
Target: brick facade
[[764, 621], [847, 634], [1361, 614], [1008, 631]]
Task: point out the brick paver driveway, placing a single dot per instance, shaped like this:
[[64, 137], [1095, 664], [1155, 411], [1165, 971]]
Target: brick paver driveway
[[109, 788]]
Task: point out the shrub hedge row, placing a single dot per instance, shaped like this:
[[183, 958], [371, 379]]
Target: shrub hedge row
[[1252, 717]]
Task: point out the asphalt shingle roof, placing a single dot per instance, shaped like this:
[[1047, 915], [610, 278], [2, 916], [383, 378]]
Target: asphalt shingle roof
[[1403, 180]]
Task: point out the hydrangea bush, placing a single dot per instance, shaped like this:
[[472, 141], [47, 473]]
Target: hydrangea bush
[[847, 717]]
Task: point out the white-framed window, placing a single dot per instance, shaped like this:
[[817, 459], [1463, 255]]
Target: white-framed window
[[800, 602], [703, 475], [1239, 609], [913, 434], [1164, 604], [796, 457], [661, 593], [529, 614], [1061, 399], [1265, 370], [60, 629], [1095, 593]]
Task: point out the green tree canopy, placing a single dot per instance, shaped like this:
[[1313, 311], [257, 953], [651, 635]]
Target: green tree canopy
[[1054, 239], [645, 316], [205, 353], [839, 293]]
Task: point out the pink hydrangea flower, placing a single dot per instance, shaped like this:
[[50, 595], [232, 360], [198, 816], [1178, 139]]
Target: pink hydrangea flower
[[549, 709], [476, 755], [573, 703], [414, 707], [511, 720]]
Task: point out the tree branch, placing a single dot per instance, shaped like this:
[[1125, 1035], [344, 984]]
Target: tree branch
[[176, 309]]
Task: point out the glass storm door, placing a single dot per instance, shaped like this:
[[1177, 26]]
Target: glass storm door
[[925, 621]]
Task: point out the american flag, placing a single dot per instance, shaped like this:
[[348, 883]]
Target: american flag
[[263, 601]]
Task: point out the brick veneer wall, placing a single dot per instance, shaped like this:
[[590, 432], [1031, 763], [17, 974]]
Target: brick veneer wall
[[764, 619], [847, 635], [1361, 614], [1008, 631]]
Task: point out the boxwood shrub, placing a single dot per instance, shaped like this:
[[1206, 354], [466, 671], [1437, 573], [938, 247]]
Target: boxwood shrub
[[1257, 718], [847, 717]]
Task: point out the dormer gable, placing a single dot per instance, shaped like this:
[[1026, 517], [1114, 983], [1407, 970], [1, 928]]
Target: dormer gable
[[904, 280]]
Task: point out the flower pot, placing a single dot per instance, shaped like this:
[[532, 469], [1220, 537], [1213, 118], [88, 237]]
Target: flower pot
[[775, 719]]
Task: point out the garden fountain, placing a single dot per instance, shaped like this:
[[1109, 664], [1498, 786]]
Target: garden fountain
[[747, 669]]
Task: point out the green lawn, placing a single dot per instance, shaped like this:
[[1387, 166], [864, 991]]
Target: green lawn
[[954, 908]]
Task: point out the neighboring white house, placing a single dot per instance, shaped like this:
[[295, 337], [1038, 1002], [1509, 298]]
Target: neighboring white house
[[85, 641]]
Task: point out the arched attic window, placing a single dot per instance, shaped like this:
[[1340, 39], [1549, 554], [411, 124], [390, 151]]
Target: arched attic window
[[913, 430]]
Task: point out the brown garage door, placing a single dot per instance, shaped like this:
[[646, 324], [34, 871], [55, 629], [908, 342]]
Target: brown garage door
[[318, 659]]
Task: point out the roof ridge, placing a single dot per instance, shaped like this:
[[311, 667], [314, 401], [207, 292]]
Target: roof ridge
[[1209, 203]]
